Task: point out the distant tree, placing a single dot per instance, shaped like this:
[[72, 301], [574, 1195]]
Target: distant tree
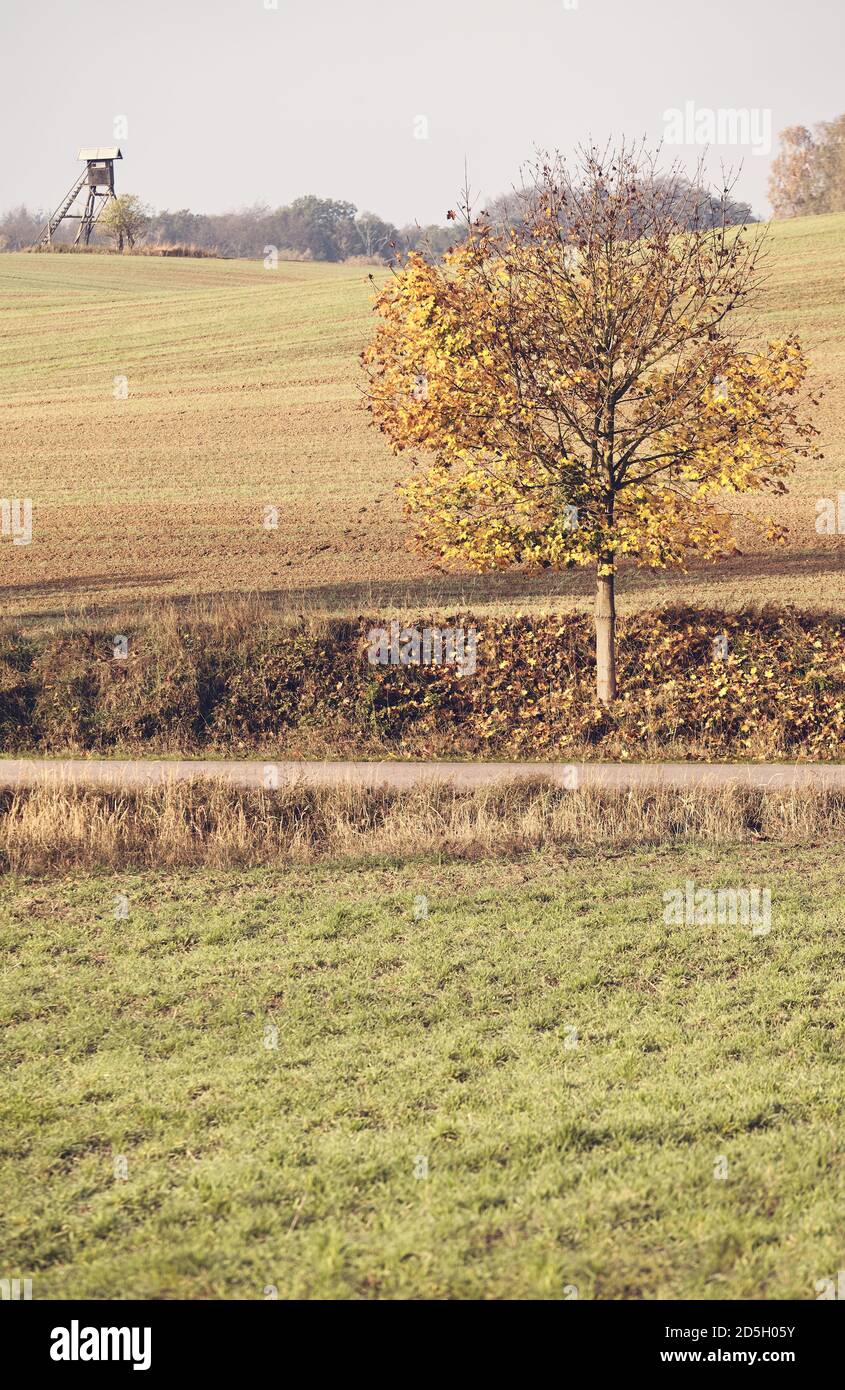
[[695, 204], [20, 227], [125, 219], [432, 240], [794, 177], [509, 209], [830, 161], [808, 173], [181, 228], [375, 235], [322, 226], [244, 232]]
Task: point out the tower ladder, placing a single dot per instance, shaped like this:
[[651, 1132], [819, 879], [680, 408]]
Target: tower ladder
[[46, 235]]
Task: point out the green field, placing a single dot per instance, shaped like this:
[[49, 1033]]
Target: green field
[[245, 392], [573, 1071]]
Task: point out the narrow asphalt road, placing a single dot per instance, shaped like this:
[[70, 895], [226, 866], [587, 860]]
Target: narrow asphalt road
[[30, 772]]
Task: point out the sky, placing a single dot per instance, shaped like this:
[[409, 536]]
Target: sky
[[219, 104]]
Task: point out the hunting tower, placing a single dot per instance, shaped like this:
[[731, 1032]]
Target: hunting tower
[[97, 179]]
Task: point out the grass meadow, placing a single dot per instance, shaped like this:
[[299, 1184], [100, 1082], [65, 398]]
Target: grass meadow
[[297, 1081], [244, 393]]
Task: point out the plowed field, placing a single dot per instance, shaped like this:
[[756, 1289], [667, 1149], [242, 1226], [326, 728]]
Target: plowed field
[[243, 392]]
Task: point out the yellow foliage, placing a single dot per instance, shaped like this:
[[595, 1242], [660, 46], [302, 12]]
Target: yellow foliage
[[573, 408]]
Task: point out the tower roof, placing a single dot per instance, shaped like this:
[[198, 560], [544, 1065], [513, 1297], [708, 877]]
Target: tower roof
[[99, 152]]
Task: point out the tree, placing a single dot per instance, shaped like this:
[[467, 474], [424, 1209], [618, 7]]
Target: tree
[[376, 237], [324, 227], [830, 140], [182, 227], [431, 240], [793, 180], [20, 227], [808, 173], [125, 219], [697, 203], [578, 385]]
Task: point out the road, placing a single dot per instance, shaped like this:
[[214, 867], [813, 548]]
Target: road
[[30, 772]]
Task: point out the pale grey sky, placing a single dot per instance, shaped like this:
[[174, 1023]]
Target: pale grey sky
[[230, 102]]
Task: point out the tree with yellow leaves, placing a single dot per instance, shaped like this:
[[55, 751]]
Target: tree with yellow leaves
[[577, 381]]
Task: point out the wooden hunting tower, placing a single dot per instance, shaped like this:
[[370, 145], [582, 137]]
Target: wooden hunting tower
[[98, 181]]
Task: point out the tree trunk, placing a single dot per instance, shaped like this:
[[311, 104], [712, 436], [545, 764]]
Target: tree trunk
[[606, 636]]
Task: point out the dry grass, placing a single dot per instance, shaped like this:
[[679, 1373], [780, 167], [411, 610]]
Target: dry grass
[[158, 248], [206, 824]]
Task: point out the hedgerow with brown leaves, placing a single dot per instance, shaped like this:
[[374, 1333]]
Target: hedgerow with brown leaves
[[259, 688]]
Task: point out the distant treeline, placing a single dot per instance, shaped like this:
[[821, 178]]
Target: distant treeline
[[318, 229], [311, 228]]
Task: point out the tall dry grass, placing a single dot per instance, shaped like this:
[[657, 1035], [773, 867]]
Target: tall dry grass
[[202, 823]]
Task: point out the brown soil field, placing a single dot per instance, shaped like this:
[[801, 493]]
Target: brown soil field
[[244, 393]]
